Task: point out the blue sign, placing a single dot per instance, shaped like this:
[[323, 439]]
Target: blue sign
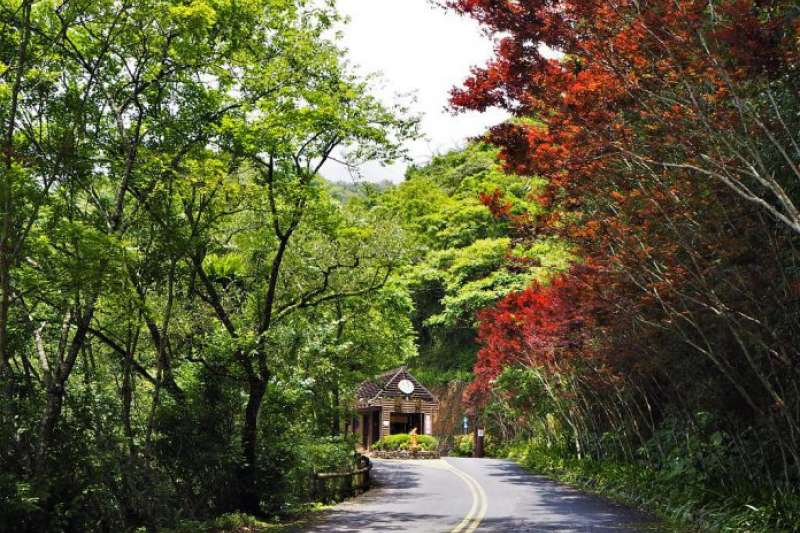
[[466, 424]]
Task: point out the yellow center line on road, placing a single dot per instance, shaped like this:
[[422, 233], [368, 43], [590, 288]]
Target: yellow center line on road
[[480, 503]]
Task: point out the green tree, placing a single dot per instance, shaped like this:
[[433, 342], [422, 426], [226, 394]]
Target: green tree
[[168, 245], [461, 250]]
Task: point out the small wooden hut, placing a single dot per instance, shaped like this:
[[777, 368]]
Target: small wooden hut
[[393, 402]]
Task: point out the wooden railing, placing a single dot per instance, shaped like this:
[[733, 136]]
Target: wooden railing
[[335, 486]]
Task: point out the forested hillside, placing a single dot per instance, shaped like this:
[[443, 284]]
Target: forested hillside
[[460, 251], [612, 275], [464, 259]]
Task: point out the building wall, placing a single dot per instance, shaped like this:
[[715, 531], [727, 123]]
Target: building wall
[[390, 405]]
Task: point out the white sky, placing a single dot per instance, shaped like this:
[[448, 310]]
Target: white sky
[[421, 49]]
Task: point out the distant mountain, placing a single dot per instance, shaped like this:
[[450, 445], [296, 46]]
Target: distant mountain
[[345, 191]]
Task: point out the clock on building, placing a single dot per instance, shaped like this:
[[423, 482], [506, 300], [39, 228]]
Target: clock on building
[[405, 386]]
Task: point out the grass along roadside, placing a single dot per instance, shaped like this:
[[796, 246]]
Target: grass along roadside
[[681, 500], [244, 523]]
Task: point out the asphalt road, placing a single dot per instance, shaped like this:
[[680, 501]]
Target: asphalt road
[[459, 495]]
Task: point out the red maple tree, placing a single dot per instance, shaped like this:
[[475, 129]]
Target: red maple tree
[[667, 132]]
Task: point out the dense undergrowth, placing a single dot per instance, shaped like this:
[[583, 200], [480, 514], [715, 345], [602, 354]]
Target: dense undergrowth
[[244, 523], [679, 491], [198, 502], [464, 446], [698, 470]]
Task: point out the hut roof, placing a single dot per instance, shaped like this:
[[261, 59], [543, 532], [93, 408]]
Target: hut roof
[[386, 386]]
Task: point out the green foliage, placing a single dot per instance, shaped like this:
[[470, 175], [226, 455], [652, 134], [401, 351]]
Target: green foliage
[[332, 454], [678, 492], [691, 471], [464, 445], [17, 503], [358, 192], [189, 305], [231, 523], [460, 250], [402, 441], [432, 376]]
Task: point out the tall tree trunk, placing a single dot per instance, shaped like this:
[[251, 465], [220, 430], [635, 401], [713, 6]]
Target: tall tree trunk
[[128, 385], [127, 400], [248, 475], [56, 386], [336, 427], [336, 422]]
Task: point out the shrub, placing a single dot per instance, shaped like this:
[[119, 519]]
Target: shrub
[[226, 523], [402, 441], [677, 491], [328, 454], [463, 445], [309, 455]]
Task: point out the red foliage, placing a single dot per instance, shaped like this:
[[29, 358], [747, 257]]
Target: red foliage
[[638, 85], [500, 208], [544, 326], [605, 98]]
